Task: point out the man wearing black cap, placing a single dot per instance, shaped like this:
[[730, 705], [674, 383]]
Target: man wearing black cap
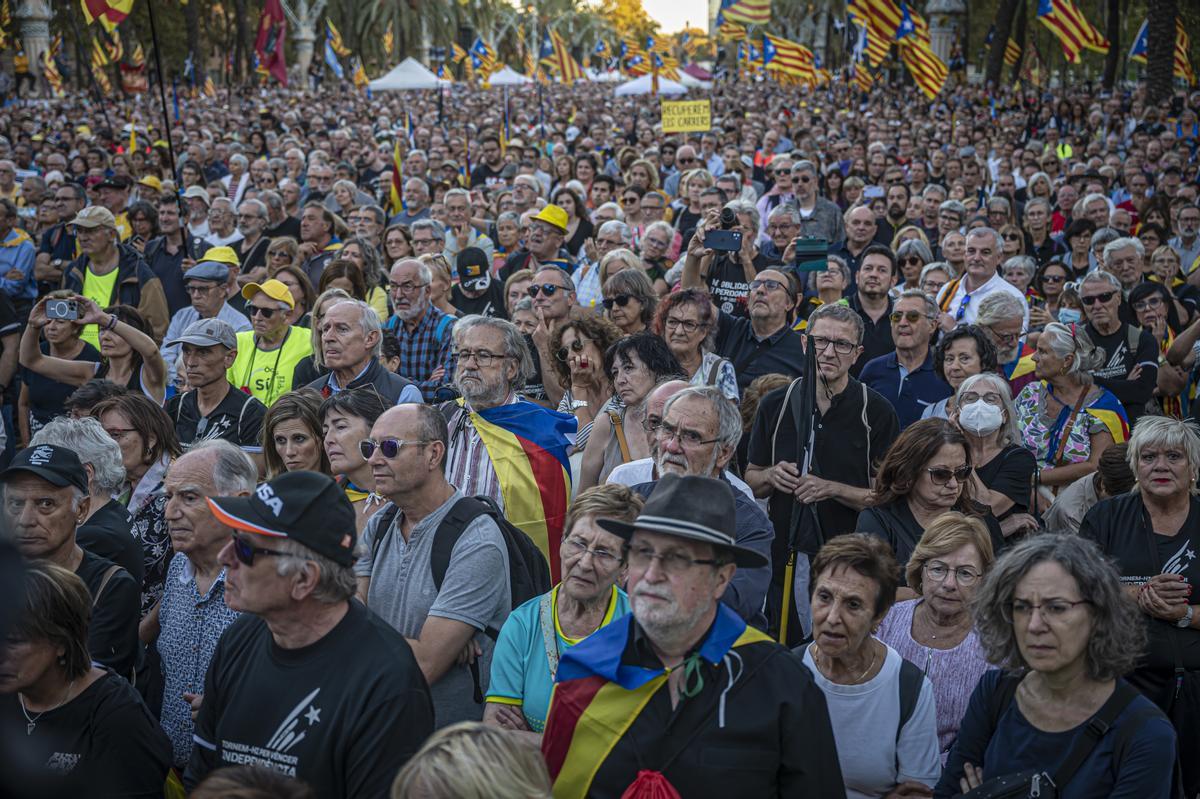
[[476, 292], [707, 705], [45, 500], [307, 681], [213, 407]]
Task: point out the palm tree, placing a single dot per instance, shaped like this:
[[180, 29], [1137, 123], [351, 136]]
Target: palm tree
[[1005, 12], [1160, 46]]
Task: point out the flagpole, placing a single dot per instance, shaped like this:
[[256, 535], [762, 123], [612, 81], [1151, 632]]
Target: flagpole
[[162, 89], [91, 74]]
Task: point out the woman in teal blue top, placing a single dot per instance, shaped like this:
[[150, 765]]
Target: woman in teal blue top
[[539, 631]]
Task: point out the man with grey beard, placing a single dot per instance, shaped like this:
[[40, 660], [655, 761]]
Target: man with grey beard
[[698, 435], [422, 329]]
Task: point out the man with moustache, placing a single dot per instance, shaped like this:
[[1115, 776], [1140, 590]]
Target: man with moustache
[[422, 329], [708, 705]]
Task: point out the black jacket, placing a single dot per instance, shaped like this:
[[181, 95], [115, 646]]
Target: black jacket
[[388, 384]]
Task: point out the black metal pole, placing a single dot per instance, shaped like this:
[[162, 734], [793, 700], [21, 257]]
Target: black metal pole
[[86, 64], [162, 90]]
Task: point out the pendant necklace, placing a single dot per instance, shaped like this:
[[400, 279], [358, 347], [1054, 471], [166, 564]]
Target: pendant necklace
[[31, 723]]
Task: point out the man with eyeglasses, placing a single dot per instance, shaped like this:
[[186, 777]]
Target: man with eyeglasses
[[222, 224], [251, 249], [208, 285], [819, 218], [685, 674], [301, 677], [57, 246], [319, 184], [1187, 243], [422, 330], [440, 618], [1000, 318], [854, 426], [1131, 371], [905, 376], [267, 354], [367, 222], [553, 294]]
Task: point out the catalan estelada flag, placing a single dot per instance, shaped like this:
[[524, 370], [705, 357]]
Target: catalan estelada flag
[[751, 12], [527, 445], [109, 13], [1108, 409], [1066, 21], [928, 71], [1012, 53], [789, 57], [1182, 63], [597, 698]]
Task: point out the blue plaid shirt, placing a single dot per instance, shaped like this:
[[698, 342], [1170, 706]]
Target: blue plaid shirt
[[424, 350]]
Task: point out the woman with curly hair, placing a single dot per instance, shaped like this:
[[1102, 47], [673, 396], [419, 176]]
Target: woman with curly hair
[[579, 346], [686, 321]]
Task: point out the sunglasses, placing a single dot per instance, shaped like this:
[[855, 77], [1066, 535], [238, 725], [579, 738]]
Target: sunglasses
[[914, 259], [1095, 298], [912, 317], [265, 313], [621, 300], [941, 476], [244, 551], [1053, 278], [390, 447], [576, 347], [547, 288]]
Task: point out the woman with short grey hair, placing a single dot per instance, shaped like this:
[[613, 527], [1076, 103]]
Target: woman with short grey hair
[[1153, 534], [911, 257], [1052, 615]]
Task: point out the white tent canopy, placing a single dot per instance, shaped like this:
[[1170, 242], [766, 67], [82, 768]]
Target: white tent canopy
[[644, 85], [508, 77], [408, 74], [692, 82]]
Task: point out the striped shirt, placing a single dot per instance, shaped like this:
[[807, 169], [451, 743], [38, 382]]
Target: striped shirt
[[468, 466]]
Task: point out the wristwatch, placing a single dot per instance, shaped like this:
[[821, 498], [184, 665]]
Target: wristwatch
[[1186, 621]]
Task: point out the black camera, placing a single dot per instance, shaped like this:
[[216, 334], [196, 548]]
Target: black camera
[[728, 219]]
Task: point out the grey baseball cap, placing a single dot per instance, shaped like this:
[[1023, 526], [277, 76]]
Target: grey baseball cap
[[208, 333]]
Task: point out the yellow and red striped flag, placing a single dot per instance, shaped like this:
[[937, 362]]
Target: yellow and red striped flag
[[1067, 22], [568, 68], [116, 50], [927, 69], [788, 57], [396, 191], [334, 37], [1012, 53], [109, 13], [751, 12], [53, 76], [732, 30]]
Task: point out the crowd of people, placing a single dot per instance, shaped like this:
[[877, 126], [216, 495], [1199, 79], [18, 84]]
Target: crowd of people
[[848, 448]]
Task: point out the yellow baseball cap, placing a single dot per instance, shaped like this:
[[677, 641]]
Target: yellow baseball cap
[[152, 182], [554, 216], [224, 255], [272, 288]]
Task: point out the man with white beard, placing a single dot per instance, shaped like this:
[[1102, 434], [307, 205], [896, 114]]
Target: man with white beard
[[422, 329], [698, 435]]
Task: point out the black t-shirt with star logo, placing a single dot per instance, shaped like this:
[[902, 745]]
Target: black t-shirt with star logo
[[237, 419]]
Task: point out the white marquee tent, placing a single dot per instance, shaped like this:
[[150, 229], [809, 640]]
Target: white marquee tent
[[407, 75]]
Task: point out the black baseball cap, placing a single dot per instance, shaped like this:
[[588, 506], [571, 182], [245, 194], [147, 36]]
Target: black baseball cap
[[306, 507], [56, 465]]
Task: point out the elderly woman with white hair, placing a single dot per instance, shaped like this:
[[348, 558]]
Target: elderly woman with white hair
[[1003, 475], [1065, 419], [238, 179], [1153, 535]]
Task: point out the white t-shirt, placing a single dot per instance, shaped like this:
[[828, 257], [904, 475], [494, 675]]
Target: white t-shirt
[[862, 717], [997, 283]]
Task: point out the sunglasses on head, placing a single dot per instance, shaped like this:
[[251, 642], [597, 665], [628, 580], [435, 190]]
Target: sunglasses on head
[[1095, 298], [941, 476], [620, 299], [265, 313], [390, 447], [244, 551], [547, 288]]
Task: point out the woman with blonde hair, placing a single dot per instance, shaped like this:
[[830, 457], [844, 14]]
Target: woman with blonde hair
[[441, 282], [642, 173], [470, 760]]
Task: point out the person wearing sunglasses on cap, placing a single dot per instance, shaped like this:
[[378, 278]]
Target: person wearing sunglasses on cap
[[925, 473], [906, 376], [1130, 370], [267, 355], [301, 677]]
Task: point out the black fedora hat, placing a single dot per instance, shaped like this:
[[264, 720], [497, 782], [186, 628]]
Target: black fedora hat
[[696, 508]]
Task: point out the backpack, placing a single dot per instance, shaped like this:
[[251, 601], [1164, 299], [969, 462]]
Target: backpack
[[528, 571]]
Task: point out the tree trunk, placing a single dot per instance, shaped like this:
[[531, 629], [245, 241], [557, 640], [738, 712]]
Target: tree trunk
[[191, 24], [1021, 37], [1113, 32], [239, 47], [1160, 47], [1004, 20]]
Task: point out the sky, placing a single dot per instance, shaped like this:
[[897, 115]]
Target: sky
[[672, 14]]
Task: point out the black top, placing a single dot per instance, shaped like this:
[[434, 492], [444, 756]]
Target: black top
[[290, 226], [843, 452], [1010, 473], [1120, 361], [343, 714], [169, 267], [894, 522], [877, 336], [727, 283], [490, 303], [778, 353], [1121, 527], [113, 630], [237, 418], [306, 370], [252, 257], [46, 396], [107, 535], [103, 743], [10, 325], [583, 231]]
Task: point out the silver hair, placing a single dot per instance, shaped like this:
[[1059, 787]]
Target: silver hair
[[1091, 198], [1038, 201], [369, 321], [232, 470], [509, 216], [1103, 236], [839, 313], [1064, 341], [348, 185], [785, 209], [1011, 433], [1168, 433], [665, 227], [748, 208], [984, 230], [933, 188], [931, 307], [336, 582], [514, 343], [1100, 276], [258, 205], [1121, 243], [435, 228], [933, 266], [423, 187], [955, 206], [914, 247], [86, 437], [1025, 262], [620, 214], [729, 421], [523, 304], [457, 192], [423, 270], [1118, 635], [999, 306], [238, 158], [618, 227], [804, 165]]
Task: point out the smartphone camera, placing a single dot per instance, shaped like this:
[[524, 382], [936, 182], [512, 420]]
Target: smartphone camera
[[62, 309]]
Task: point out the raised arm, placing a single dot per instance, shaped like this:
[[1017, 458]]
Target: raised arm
[[155, 373], [74, 373]]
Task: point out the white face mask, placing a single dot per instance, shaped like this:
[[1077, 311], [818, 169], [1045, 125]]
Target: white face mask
[[980, 418]]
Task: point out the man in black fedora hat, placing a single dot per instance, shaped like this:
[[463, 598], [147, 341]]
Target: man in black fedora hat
[[681, 696], [307, 681]]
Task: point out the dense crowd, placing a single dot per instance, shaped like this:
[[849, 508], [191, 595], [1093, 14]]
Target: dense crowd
[[847, 448]]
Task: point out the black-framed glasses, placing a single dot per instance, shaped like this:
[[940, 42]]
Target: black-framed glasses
[[258, 310], [1148, 304], [406, 288], [991, 398], [1103, 296], [1054, 610], [963, 575], [602, 557], [768, 284], [840, 345], [912, 317], [390, 447], [244, 551], [672, 563], [688, 438], [651, 424], [687, 325], [481, 357], [620, 299], [576, 347], [547, 288], [940, 475]]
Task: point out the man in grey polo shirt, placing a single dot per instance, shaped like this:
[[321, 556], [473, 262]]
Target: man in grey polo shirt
[[407, 453]]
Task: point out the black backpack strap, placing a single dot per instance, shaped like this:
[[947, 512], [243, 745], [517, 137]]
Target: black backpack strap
[[386, 516], [448, 532], [1096, 729], [911, 681]]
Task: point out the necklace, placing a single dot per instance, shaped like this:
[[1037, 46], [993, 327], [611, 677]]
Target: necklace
[[874, 657], [31, 722]]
